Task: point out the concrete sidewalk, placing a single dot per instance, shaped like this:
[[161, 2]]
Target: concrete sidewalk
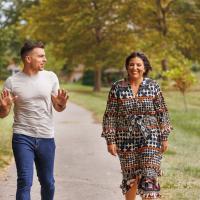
[[83, 168]]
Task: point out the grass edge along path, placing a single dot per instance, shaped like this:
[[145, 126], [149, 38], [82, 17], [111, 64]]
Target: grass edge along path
[[181, 166], [5, 139]]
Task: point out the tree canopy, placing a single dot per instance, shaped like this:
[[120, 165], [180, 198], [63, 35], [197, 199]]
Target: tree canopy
[[101, 33]]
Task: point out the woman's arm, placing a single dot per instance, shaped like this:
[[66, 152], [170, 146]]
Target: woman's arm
[[110, 116], [162, 113]]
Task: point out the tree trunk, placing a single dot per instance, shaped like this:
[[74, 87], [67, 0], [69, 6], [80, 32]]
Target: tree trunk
[[185, 102], [164, 65], [98, 37], [97, 79], [163, 8]]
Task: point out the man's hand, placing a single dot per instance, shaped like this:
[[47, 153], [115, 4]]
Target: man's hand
[[165, 145], [112, 149], [60, 100], [6, 101]]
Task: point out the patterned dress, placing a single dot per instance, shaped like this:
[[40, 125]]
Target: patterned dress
[[137, 124]]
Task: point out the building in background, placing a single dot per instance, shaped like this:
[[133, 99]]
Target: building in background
[[13, 68]]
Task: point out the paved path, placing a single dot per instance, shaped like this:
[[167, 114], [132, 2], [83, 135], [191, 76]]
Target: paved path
[[83, 168]]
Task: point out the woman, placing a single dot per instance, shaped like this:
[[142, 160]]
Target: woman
[[136, 127]]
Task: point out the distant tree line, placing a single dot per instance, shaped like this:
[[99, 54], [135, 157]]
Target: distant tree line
[[101, 33]]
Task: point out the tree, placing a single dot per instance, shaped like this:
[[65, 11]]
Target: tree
[[100, 33], [82, 31], [10, 18], [189, 38], [183, 79], [163, 29]]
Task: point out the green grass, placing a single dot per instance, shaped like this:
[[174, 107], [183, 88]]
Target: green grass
[[5, 139], [181, 164], [84, 96]]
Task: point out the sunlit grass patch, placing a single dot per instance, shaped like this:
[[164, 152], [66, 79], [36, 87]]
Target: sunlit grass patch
[[5, 140], [192, 171], [170, 152]]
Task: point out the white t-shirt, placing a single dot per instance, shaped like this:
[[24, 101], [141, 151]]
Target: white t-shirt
[[33, 114]]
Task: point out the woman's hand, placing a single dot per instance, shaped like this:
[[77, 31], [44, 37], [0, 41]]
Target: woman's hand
[[164, 146], [112, 149]]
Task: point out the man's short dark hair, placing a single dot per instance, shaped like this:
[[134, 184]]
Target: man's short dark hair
[[29, 46]]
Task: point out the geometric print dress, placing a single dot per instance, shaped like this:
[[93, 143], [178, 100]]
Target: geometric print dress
[[137, 124]]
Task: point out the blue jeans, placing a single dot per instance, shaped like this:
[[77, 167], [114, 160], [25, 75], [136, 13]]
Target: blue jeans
[[28, 150]]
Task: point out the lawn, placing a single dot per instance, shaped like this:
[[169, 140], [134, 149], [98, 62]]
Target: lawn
[[5, 139], [181, 164]]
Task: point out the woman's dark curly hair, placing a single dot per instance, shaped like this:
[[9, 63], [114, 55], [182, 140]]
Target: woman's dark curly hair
[[145, 60]]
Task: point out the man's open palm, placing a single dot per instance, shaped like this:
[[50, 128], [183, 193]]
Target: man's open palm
[[61, 97], [6, 98]]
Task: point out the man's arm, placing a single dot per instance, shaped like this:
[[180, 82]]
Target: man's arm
[[59, 101]]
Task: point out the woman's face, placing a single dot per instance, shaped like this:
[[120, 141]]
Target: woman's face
[[136, 68]]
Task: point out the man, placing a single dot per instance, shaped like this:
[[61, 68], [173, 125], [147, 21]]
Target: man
[[34, 92]]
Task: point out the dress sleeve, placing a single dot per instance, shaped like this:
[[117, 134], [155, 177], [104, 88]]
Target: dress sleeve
[[110, 116], [162, 113]]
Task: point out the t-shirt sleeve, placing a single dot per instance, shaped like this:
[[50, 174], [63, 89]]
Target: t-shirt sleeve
[[8, 85], [55, 85]]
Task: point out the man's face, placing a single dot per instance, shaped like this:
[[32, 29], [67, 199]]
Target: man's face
[[37, 59]]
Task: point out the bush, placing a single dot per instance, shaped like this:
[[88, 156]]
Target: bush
[[88, 77], [4, 74], [109, 78], [195, 67]]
